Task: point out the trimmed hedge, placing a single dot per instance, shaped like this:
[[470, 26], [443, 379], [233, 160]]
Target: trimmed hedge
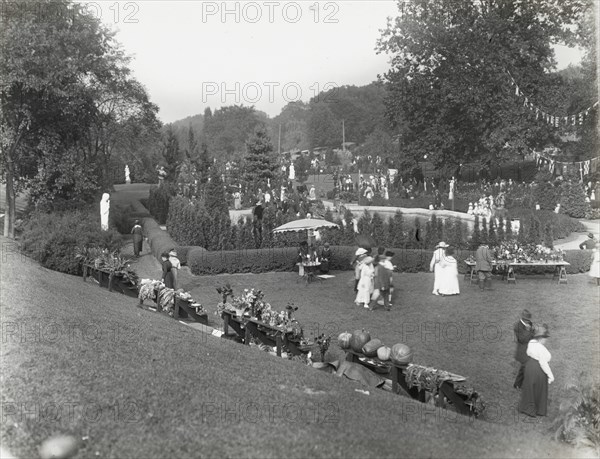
[[159, 240], [284, 259]]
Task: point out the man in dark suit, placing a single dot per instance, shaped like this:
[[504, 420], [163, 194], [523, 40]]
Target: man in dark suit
[[484, 260], [523, 333]]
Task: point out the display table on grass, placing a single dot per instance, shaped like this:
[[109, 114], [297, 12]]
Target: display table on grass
[[448, 388], [245, 328], [183, 309], [114, 281], [311, 269], [560, 270]]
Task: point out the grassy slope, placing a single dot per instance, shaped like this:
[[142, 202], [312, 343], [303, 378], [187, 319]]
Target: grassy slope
[[185, 394]]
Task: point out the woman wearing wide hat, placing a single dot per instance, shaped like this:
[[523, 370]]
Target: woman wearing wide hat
[[435, 267], [534, 392]]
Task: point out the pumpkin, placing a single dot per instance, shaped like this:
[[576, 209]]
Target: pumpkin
[[370, 349], [344, 340], [383, 353], [359, 339], [401, 354]]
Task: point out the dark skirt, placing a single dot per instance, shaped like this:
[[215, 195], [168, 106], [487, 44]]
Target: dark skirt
[[137, 243], [534, 392], [169, 280]]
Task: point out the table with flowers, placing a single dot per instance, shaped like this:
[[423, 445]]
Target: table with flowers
[[252, 318], [511, 255]]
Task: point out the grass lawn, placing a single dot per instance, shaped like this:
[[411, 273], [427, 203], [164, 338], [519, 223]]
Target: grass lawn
[[79, 360]]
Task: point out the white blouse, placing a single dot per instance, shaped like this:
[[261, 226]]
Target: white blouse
[[538, 351]]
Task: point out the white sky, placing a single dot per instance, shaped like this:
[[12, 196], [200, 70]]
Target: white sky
[[189, 55]]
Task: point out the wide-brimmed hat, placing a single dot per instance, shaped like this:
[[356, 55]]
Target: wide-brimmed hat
[[368, 260], [525, 315], [360, 251], [173, 253], [541, 331], [442, 244], [591, 235]]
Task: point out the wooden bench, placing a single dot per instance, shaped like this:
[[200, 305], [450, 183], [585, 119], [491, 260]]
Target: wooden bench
[[110, 280]]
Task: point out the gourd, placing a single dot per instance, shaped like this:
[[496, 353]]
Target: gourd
[[370, 349], [401, 354], [359, 339], [383, 353], [344, 340]]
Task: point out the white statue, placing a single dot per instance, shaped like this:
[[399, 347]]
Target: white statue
[[104, 210], [451, 192], [557, 209], [292, 175], [127, 177]]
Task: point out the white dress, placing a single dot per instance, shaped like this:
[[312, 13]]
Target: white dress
[[448, 283], [595, 267], [434, 265], [365, 284]]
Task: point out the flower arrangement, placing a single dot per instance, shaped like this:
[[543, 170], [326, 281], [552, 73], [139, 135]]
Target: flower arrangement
[[250, 302], [323, 341], [108, 261], [526, 253]]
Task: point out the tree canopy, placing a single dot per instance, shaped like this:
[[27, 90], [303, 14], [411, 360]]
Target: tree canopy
[[449, 94]]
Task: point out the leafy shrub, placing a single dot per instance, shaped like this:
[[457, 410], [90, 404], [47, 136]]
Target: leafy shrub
[[580, 260], [578, 422], [158, 202], [53, 239], [572, 199]]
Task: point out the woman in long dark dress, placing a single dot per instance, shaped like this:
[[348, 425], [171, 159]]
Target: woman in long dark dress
[[167, 273], [138, 237], [534, 392]]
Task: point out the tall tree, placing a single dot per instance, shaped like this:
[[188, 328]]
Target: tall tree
[[450, 96], [260, 163], [64, 90]]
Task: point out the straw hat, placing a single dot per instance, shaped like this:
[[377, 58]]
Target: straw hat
[[541, 331], [360, 251], [442, 245]]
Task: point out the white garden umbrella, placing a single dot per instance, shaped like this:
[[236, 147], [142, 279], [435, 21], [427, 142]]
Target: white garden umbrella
[[305, 224]]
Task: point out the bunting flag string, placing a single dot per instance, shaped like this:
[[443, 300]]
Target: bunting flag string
[[585, 167], [549, 118]]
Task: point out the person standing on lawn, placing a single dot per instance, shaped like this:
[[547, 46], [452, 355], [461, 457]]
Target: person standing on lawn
[[383, 280], [595, 266], [138, 238], [435, 267], [359, 255], [365, 283], [523, 334], [484, 260], [448, 274], [167, 271], [175, 266], [534, 393]]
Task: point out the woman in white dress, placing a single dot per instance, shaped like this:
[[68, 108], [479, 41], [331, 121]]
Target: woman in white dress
[[595, 268], [435, 267], [365, 283], [448, 284]]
